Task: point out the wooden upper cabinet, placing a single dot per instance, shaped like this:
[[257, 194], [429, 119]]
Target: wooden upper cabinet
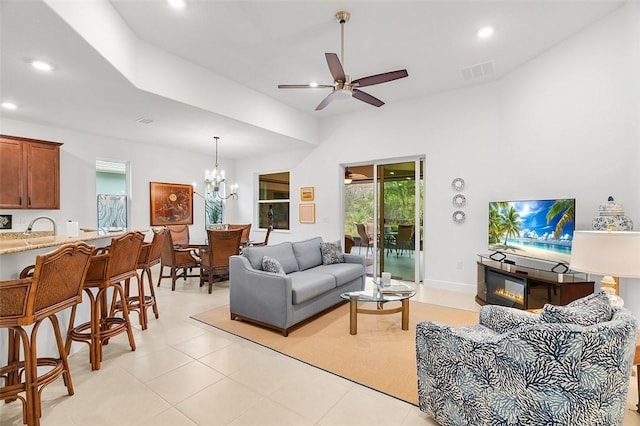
[[29, 173]]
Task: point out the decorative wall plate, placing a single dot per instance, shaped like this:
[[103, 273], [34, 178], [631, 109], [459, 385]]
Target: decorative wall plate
[[459, 200], [457, 184], [458, 216]]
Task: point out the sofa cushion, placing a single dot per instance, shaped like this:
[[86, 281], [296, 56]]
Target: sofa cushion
[[306, 285], [307, 253], [589, 310], [283, 252], [270, 264], [331, 253], [344, 273]]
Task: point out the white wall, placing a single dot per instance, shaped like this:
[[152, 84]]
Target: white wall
[[149, 163], [564, 124]]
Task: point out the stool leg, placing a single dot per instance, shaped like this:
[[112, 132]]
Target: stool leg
[[160, 275], [66, 373], [72, 318], [142, 310], [98, 323], [125, 314], [29, 407], [152, 292], [13, 356]]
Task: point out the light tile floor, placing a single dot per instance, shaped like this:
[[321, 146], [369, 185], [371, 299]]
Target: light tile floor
[[187, 373]]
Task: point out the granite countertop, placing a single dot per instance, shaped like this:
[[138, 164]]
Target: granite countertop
[[16, 242]]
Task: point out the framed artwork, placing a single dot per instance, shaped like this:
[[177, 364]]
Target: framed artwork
[[308, 213], [171, 204], [306, 193]]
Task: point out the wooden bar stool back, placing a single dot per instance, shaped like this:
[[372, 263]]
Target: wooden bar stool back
[[109, 266], [140, 302], [54, 284]]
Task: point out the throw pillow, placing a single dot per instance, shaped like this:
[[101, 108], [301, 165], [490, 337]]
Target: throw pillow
[[272, 265], [331, 253], [593, 309]]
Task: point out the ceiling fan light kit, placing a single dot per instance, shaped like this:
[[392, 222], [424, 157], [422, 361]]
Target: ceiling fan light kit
[[343, 87]]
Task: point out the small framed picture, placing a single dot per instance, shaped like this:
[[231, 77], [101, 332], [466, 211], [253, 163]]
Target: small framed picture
[[5, 221], [306, 193], [308, 213]]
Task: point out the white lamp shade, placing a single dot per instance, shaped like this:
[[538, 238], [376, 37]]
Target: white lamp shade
[[606, 253]]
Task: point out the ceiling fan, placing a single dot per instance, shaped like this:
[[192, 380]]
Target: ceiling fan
[[350, 176], [343, 86]]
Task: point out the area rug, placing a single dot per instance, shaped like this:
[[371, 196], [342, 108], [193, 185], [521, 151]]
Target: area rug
[[381, 356]]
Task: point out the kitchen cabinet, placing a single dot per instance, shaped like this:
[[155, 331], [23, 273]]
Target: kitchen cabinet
[[30, 173]]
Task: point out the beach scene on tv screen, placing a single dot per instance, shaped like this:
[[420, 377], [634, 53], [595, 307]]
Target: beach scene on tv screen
[[541, 229]]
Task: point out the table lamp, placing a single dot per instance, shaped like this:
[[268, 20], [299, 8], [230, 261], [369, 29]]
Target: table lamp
[[612, 254]]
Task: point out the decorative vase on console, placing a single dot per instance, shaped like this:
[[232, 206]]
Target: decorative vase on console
[[611, 218]]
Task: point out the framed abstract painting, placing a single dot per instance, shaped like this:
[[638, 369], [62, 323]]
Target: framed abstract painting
[[171, 204]]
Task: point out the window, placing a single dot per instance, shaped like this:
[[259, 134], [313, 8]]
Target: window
[[273, 200], [112, 183]]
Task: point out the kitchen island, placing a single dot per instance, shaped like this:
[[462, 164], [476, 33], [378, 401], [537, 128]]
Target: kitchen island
[[18, 251]]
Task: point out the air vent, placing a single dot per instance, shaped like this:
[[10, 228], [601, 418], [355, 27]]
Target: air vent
[[478, 71], [144, 120]]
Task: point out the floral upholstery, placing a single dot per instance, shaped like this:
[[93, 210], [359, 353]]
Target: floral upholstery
[[514, 368]]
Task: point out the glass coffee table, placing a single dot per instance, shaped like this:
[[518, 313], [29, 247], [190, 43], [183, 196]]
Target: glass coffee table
[[379, 298]]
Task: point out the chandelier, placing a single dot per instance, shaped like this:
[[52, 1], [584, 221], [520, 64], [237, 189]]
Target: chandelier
[[216, 178]]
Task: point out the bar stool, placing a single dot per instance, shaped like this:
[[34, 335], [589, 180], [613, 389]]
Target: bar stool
[[109, 266], [140, 302], [55, 284]]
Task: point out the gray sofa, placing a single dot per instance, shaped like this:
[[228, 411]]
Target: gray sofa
[[306, 288]]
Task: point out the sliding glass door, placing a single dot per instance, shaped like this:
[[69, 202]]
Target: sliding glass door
[[383, 215]]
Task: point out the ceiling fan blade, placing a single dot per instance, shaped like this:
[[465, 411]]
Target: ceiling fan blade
[[326, 101], [335, 67], [365, 97], [303, 86], [380, 78]]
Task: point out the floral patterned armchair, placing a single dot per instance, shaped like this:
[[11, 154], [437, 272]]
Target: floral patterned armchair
[[568, 365]]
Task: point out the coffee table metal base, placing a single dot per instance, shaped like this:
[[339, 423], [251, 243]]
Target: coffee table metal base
[[354, 311]]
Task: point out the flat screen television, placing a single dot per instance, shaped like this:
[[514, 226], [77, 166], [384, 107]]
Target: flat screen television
[[539, 229]]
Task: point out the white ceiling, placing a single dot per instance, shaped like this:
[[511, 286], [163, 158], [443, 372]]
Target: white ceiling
[[261, 44]]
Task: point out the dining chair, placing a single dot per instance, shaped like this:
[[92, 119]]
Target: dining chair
[[109, 267], [176, 258], [140, 301], [266, 238], [215, 258], [179, 234], [246, 230], [365, 241], [52, 285], [349, 242], [404, 239]]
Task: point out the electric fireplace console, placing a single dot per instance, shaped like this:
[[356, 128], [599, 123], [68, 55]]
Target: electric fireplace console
[[522, 287]]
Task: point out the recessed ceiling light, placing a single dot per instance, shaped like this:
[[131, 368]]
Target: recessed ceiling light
[[485, 32], [313, 84], [41, 65], [9, 105], [177, 4]]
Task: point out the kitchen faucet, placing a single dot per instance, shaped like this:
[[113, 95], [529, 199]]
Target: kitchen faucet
[[50, 219]]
